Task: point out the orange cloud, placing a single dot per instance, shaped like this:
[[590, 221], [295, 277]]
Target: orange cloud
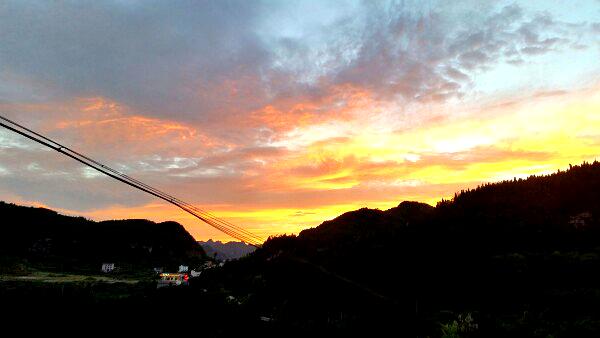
[[341, 103], [327, 159], [98, 125]]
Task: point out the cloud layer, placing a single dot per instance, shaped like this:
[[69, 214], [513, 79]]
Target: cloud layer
[[279, 115]]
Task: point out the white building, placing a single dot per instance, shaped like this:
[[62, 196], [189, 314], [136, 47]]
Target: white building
[[581, 220], [183, 268], [108, 267]]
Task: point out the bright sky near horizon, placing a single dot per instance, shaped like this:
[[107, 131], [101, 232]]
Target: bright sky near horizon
[[278, 115]]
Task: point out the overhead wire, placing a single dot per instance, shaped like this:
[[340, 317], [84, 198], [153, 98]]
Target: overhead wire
[[208, 218]]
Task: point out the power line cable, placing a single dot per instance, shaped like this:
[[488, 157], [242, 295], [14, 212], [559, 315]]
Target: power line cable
[[208, 218], [203, 212]]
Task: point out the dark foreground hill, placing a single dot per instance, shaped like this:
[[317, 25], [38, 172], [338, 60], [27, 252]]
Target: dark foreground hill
[[47, 239], [519, 258], [514, 258]]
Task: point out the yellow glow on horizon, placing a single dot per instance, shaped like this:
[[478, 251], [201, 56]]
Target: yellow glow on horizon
[[346, 163], [540, 136]]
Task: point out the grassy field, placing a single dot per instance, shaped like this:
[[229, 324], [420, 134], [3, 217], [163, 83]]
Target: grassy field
[[50, 277], [24, 283]]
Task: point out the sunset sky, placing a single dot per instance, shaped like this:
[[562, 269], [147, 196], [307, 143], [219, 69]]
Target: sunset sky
[[278, 115]]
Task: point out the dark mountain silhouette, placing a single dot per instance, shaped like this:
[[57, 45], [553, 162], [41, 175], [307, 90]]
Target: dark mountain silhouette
[[518, 258], [226, 251], [513, 258], [46, 238]]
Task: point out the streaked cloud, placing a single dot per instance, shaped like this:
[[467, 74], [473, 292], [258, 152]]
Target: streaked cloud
[[278, 115]]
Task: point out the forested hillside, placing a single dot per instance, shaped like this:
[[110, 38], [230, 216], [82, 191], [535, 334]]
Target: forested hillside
[[518, 257], [506, 259], [45, 238]]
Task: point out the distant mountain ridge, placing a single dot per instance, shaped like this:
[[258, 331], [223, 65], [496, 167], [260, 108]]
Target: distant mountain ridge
[[226, 251]]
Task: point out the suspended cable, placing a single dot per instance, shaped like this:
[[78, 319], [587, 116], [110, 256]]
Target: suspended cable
[[208, 218], [165, 195]]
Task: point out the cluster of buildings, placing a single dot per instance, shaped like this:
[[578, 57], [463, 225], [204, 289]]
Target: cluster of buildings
[[181, 277]]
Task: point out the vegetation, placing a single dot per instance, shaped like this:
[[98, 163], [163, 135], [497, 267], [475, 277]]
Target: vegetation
[[514, 258], [520, 256], [41, 239]]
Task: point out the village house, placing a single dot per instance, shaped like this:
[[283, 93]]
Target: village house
[[108, 267], [580, 220]]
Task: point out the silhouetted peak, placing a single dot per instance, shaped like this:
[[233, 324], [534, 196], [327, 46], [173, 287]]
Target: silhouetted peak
[[411, 211], [28, 231], [172, 225], [362, 212], [350, 224], [410, 208], [411, 205]]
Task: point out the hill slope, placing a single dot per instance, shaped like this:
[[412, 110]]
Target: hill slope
[[521, 256], [47, 238]]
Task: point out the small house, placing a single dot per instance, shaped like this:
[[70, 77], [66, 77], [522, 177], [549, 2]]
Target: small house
[[108, 267], [172, 279], [183, 268], [581, 220]]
